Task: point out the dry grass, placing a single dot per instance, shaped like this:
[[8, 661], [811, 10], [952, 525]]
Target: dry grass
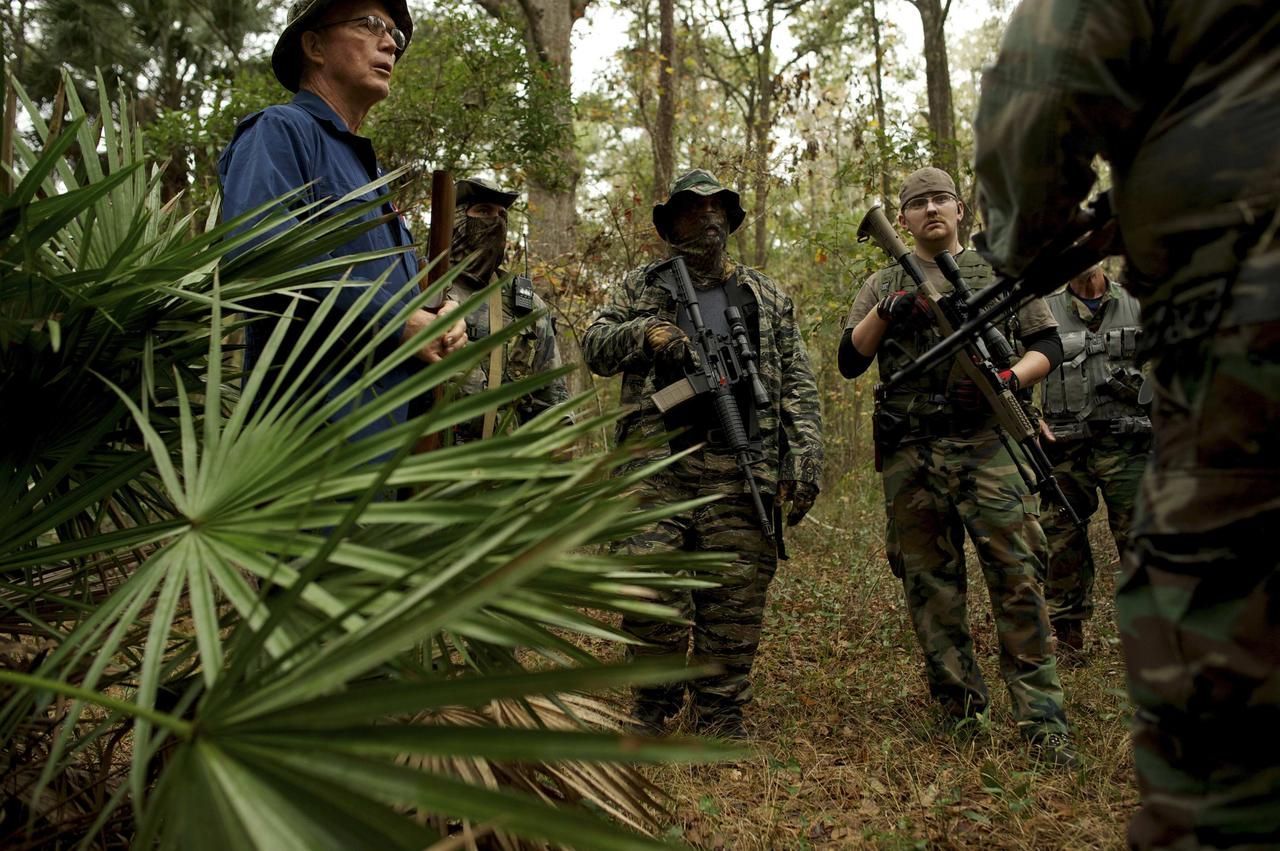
[[849, 751]]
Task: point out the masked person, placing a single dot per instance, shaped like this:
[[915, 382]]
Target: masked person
[[1182, 98], [338, 57], [1097, 434], [946, 472], [643, 336], [480, 228]]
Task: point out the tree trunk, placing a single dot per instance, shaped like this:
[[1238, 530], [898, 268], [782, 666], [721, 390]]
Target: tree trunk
[[937, 72], [882, 134], [668, 89], [761, 143], [552, 209]]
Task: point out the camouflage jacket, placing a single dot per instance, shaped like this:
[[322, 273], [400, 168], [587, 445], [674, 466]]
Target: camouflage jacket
[[790, 429], [532, 351], [1182, 97]]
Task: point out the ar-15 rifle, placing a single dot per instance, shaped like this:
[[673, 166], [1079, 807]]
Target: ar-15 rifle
[[1092, 237], [979, 359], [720, 365]]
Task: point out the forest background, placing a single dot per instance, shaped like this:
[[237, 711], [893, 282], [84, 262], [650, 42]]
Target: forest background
[[813, 110]]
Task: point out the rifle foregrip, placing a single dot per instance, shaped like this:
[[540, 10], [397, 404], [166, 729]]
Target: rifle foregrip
[[735, 433], [1019, 424]]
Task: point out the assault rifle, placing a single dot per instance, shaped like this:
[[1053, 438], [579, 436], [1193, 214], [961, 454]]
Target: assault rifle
[[1092, 237], [980, 358], [721, 363]]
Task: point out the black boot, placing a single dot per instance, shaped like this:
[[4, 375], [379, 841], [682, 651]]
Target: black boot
[[1055, 749], [1070, 643], [720, 722]]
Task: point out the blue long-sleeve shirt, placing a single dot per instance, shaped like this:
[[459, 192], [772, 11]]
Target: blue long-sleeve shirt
[[283, 147]]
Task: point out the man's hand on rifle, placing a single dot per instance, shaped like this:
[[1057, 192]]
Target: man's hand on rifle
[[965, 396], [902, 306], [666, 342], [801, 495]]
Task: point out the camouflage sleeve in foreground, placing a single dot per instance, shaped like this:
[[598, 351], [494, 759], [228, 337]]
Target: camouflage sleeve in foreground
[[800, 415], [1061, 87], [614, 342]]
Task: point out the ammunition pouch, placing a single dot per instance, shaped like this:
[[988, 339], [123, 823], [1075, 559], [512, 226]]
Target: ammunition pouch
[[1073, 430], [1122, 385], [1130, 425], [1070, 431]]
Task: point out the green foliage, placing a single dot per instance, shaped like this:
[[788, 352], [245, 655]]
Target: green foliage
[[229, 636], [197, 134], [159, 51], [467, 98]]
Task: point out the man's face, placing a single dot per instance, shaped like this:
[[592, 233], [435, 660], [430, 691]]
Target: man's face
[[486, 210], [699, 219], [356, 61], [933, 218]]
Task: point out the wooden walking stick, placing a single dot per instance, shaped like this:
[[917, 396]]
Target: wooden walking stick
[[439, 242]]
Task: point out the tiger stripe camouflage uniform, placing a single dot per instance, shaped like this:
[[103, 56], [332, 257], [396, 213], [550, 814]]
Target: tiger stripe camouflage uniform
[[1183, 98], [1102, 437], [947, 475], [726, 619]]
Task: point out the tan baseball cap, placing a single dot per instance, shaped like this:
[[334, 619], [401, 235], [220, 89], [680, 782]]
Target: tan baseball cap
[[926, 181]]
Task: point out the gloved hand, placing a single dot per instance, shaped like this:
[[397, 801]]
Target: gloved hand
[[801, 495], [903, 306], [965, 396], [665, 341]]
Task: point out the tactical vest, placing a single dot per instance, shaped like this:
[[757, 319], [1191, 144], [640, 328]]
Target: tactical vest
[[926, 395], [1097, 380]]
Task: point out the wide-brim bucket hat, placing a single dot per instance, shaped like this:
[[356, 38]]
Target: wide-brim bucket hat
[[477, 190], [698, 182], [286, 59]]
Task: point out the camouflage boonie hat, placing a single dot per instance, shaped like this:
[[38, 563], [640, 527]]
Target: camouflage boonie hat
[[286, 59], [698, 182], [477, 190], [926, 181]]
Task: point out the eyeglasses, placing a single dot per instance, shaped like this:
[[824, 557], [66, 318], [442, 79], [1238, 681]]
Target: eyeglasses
[[939, 199], [375, 25]]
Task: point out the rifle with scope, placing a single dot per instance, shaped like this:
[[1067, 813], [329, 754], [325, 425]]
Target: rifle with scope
[[720, 364], [980, 352]]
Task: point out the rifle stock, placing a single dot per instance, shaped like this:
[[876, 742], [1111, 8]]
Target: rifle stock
[[439, 242]]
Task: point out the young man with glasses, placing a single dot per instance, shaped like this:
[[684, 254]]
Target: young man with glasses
[[946, 472], [337, 56]]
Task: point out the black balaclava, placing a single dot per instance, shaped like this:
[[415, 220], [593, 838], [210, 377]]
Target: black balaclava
[[489, 236], [704, 249]]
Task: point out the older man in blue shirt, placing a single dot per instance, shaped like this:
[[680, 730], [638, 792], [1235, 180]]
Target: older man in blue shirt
[[337, 56]]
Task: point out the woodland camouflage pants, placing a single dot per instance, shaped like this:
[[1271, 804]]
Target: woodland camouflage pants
[[935, 490], [1199, 605], [725, 620], [1112, 465]]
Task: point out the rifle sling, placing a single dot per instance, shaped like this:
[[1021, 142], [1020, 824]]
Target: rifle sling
[[494, 378]]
